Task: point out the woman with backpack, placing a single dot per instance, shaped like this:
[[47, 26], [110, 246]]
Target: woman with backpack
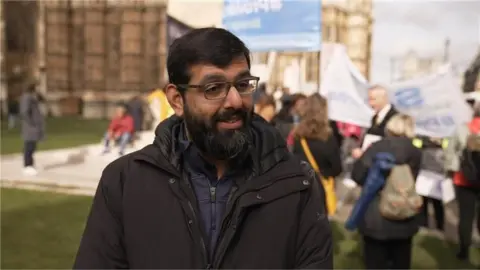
[[459, 163], [388, 240]]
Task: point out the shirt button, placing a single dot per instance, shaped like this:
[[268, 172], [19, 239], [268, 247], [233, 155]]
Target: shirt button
[[259, 196], [190, 222], [171, 180], [306, 182]]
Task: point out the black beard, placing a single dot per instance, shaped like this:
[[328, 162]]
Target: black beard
[[220, 145]]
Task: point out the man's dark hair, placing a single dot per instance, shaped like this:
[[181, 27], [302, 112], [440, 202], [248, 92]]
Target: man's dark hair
[[210, 45]]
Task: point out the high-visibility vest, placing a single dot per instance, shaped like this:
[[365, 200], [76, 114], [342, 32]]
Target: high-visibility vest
[[444, 143], [419, 143]]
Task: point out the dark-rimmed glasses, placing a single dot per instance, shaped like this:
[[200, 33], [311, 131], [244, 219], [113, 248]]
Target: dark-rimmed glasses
[[219, 90]]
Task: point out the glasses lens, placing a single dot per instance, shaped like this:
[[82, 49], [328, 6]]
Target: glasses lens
[[216, 90], [246, 86]]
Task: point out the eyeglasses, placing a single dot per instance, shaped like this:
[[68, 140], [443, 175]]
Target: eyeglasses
[[219, 90]]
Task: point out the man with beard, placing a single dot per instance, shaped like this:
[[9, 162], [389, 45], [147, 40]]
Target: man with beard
[[217, 188]]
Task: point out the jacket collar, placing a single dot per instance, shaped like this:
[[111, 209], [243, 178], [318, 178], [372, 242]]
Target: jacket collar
[[268, 147]]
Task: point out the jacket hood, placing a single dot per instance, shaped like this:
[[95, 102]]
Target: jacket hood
[[267, 149]]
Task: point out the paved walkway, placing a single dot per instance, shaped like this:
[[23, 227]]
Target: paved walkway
[[74, 170], [78, 170]]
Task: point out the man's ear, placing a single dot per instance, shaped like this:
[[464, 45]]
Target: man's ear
[[174, 99]]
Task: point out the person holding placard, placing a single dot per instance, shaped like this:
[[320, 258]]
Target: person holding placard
[[432, 167], [384, 111]]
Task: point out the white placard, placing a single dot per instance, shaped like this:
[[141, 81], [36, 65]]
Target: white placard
[[429, 184], [349, 183], [369, 139], [448, 191]]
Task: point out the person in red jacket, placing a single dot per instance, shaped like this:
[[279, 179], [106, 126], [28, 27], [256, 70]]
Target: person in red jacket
[[120, 129], [467, 193]]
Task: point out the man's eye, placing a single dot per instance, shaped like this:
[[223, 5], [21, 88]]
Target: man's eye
[[243, 85], [213, 88]]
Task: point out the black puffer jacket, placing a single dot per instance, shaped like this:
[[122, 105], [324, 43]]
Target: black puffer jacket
[[144, 213]]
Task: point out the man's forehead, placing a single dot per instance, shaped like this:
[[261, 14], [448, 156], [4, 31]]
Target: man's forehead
[[377, 91], [238, 67]]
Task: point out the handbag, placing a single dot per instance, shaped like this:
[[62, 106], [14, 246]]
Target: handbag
[[328, 183]]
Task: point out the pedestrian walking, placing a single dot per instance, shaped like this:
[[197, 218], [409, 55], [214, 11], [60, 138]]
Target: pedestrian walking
[[33, 127]]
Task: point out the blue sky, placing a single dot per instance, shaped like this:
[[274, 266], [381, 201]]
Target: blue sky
[[420, 25]]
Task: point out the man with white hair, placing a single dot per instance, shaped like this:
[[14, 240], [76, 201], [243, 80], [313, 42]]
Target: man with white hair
[[384, 111]]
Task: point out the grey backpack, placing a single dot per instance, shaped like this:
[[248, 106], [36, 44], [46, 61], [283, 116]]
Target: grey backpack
[[398, 198]]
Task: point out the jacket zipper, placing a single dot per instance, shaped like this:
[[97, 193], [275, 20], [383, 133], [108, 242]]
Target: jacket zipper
[[224, 241], [202, 241], [213, 209], [231, 200]]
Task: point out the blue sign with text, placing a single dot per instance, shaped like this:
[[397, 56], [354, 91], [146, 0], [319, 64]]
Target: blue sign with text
[[408, 98], [275, 25]]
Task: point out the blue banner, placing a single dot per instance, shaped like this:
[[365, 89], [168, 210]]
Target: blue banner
[[275, 25]]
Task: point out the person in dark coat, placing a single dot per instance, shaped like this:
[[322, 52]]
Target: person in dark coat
[[433, 160], [289, 114], [218, 188], [336, 132], [388, 243], [13, 112], [135, 109], [316, 129], [384, 111], [467, 193], [33, 127]]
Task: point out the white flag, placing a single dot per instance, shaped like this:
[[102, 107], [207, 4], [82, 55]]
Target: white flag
[[342, 89]]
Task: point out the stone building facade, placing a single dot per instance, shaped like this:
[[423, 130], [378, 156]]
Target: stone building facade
[[102, 52], [348, 22], [413, 66], [92, 54]]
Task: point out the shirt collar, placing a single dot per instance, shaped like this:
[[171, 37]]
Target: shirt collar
[[383, 112]]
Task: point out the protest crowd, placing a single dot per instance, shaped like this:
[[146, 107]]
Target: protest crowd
[[245, 172]]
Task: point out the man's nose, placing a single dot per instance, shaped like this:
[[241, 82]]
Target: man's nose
[[233, 99]]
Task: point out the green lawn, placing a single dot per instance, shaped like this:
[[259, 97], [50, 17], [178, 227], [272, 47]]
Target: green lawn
[[61, 132], [42, 230]]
